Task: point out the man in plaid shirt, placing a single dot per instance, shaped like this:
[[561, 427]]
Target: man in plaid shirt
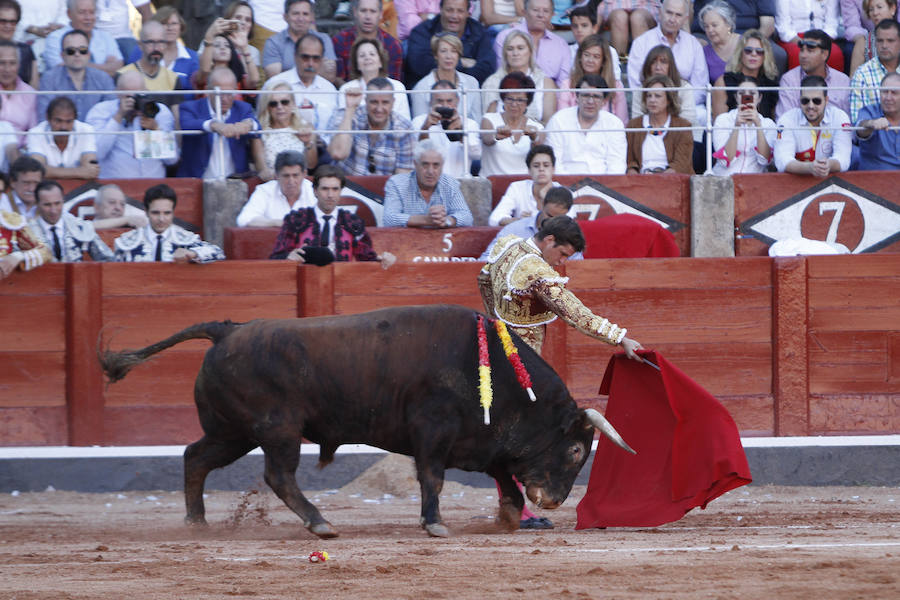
[[361, 150], [868, 76], [366, 21]]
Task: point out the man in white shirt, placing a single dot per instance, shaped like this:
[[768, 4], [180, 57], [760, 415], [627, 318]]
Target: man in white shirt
[[438, 127], [819, 151], [67, 236], [64, 156], [522, 198], [599, 147], [271, 201], [315, 96]]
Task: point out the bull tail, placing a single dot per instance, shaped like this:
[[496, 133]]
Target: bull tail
[[117, 364]]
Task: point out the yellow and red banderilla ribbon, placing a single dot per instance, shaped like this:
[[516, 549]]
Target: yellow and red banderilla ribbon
[[485, 392]]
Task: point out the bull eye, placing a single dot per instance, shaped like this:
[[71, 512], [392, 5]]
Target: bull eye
[[575, 453]]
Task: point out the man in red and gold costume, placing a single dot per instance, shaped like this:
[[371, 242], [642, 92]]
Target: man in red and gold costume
[[519, 286], [19, 246]]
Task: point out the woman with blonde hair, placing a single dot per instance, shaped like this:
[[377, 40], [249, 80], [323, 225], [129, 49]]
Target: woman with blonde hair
[[447, 49], [752, 58], [518, 55], [592, 56], [656, 149], [277, 110], [368, 60]]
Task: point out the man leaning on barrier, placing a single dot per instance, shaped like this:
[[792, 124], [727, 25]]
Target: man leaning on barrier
[[879, 146]]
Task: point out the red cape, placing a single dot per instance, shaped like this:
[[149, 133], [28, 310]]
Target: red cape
[[688, 448]]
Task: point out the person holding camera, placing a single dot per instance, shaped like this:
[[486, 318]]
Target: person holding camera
[[515, 133], [743, 138], [64, 156], [443, 125], [128, 113]]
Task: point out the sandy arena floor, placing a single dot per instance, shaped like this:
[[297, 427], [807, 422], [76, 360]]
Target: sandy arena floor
[[755, 542]]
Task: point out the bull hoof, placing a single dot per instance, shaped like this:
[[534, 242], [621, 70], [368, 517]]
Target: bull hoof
[[195, 521], [324, 530], [508, 515], [437, 530]]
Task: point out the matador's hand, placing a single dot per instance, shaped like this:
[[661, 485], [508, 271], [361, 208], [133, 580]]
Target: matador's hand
[[630, 345]]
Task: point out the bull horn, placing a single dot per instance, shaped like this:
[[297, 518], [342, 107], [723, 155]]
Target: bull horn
[[600, 422]]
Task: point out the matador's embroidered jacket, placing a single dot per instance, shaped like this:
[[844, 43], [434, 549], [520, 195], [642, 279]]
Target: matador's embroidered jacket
[[519, 288], [16, 236]]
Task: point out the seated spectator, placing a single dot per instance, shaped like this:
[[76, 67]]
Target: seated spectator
[[279, 50], [67, 236], [686, 50], [525, 198], [112, 210], [497, 15], [750, 14], [362, 151], [367, 16], [220, 52], [478, 58], [593, 57], [443, 119], [413, 12], [517, 55], [867, 79], [514, 133], [238, 125], [793, 18], [627, 20], [557, 202], [655, 149], [879, 146], [266, 19], [861, 31], [113, 19], [324, 225], [273, 200], [242, 37], [551, 52], [37, 21], [116, 153], [64, 156], [277, 110], [586, 138], [25, 174], [368, 59], [9, 147], [584, 23], [447, 50], [17, 109], [743, 137], [10, 16], [819, 151], [175, 56], [105, 53], [814, 50], [752, 58], [74, 74], [19, 245], [161, 240], [425, 197], [313, 94], [157, 78], [718, 20]]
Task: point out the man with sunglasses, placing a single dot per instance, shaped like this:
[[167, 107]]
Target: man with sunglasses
[[315, 96], [76, 74], [868, 76], [813, 139], [815, 48]]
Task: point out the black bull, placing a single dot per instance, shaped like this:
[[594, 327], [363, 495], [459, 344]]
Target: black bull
[[402, 379]]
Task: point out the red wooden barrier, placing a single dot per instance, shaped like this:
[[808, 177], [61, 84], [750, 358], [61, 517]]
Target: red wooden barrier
[[665, 199], [857, 209]]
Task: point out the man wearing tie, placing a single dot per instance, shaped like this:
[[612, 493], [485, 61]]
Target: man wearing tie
[[67, 236], [325, 226], [161, 240]]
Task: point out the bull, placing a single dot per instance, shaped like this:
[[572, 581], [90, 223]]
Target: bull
[[402, 379]]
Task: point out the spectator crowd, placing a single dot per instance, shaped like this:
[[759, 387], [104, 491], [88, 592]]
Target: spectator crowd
[[425, 93]]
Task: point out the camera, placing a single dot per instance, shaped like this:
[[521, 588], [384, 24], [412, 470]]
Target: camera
[[145, 106], [446, 114]]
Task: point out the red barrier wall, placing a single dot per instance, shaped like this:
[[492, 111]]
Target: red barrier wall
[[858, 209], [798, 346]]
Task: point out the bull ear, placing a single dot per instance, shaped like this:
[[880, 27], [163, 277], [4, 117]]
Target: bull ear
[[604, 427]]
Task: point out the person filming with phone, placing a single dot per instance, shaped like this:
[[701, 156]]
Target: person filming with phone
[[814, 138], [443, 125], [742, 138]]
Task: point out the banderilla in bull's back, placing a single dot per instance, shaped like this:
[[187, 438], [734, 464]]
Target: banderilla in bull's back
[[403, 379]]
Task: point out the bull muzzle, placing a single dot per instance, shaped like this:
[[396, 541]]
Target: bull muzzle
[[539, 498], [604, 427]]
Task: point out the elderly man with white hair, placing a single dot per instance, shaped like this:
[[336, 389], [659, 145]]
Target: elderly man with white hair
[[111, 210], [443, 125], [425, 197]]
